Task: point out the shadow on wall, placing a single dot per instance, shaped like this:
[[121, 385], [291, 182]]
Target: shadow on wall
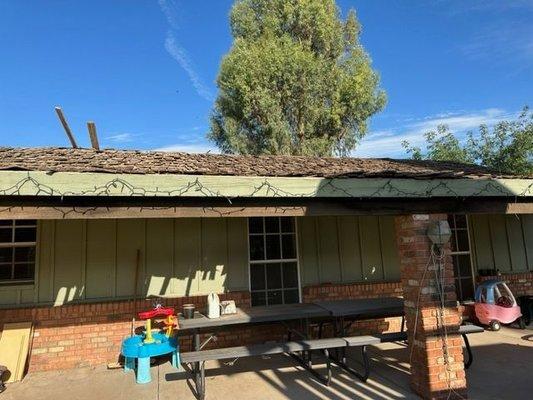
[[91, 260], [198, 282], [194, 281]]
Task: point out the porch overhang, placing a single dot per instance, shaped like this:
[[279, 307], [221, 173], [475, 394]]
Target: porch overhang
[[80, 195]]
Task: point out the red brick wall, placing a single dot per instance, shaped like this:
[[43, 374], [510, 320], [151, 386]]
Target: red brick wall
[[79, 335], [521, 284], [73, 336], [435, 348]]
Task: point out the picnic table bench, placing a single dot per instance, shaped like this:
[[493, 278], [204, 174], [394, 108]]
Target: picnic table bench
[[264, 349], [290, 348], [464, 331]]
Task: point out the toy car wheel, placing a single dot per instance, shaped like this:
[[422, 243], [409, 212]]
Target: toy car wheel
[[521, 323], [495, 326]]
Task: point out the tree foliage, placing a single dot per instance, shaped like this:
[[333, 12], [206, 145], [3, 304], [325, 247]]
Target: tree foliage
[[507, 147], [296, 81]]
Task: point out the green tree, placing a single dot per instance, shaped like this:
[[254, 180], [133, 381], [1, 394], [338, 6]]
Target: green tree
[[507, 147], [297, 81]]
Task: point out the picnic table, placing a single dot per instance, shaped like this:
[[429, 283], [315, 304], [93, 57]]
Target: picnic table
[[333, 311], [356, 308], [340, 313]]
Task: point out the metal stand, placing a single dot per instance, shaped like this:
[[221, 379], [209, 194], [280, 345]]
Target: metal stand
[[199, 369], [308, 365], [469, 351], [366, 365]]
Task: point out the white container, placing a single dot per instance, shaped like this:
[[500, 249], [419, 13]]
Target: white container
[[213, 306], [228, 307]]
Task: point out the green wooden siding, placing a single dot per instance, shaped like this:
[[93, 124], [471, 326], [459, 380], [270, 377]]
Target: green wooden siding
[[328, 249], [96, 259], [347, 249], [350, 249], [101, 253], [68, 282], [503, 242], [130, 237], [187, 253]]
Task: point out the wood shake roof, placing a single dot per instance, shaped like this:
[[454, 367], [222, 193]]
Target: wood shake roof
[[54, 159]]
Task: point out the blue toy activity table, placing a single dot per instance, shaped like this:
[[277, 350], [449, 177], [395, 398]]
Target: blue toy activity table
[[133, 347]]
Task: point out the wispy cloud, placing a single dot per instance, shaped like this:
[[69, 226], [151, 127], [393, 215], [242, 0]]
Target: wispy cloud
[[190, 148], [387, 143], [502, 44], [188, 140], [180, 55], [170, 9], [122, 137], [178, 52], [503, 35]]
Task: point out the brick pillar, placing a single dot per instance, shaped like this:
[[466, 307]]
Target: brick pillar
[[437, 369]]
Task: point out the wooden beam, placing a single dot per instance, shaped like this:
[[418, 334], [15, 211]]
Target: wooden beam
[[91, 127], [64, 122], [519, 208], [117, 212], [143, 212]]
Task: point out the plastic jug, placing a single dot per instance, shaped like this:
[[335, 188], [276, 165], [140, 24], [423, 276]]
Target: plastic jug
[[213, 306]]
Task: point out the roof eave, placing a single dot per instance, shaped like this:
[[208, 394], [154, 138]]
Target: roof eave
[[65, 184]]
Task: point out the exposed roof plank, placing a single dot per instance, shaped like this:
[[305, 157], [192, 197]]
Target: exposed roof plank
[[66, 127], [91, 127]]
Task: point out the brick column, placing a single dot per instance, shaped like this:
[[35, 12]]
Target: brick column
[[437, 369]]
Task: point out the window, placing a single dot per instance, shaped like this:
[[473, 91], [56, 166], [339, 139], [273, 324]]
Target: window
[[17, 251], [273, 261], [462, 264]]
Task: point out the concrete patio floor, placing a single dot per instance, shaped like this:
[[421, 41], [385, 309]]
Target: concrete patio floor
[[502, 369]]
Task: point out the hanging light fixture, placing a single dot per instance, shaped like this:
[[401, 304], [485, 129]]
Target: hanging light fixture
[[439, 233]]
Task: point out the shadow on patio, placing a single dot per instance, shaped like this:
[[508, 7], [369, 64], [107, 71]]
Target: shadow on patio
[[501, 369]]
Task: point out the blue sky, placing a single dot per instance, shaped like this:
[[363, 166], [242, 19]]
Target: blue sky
[[145, 71]]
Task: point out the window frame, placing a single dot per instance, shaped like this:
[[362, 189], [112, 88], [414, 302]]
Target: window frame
[[459, 278], [12, 282], [296, 259]]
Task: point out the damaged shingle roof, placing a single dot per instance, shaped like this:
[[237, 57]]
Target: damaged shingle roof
[[55, 159]]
